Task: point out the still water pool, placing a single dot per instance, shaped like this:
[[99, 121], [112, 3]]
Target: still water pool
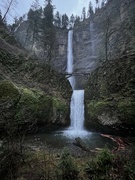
[[60, 139]]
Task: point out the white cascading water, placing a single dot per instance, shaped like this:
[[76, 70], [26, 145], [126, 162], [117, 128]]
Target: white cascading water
[[77, 110], [77, 101], [70, 58]]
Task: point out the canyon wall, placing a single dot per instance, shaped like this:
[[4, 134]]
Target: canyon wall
[[110, 90], [104, 59], [106, 35]]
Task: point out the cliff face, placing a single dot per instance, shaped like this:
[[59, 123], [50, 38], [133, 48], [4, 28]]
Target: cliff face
[[85, 56], [84, 47], [115, 24], [59, 57], [110, 90], [106, 35], [110, 95], [59, 61], [30, 92]]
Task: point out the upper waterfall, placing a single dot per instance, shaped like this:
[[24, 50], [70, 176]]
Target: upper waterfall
[[70, 52], [70, 58]]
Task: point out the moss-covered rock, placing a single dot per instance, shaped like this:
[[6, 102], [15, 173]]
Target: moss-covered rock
[[8, 91], [37, 106], [126, 111], [9, 94], [22, 106], [111, 115], [110, 94]]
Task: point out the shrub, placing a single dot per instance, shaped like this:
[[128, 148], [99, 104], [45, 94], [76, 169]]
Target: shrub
[[67, 167], [100, 166]]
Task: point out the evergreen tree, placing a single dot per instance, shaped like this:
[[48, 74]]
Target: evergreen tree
[[34, 19], [90, 10], [48, 33], [83, 13], [57, 19], [65, 21], [8, 5], [14, 25], [48, 14], [72, 20], [77, 19], [0, 17]]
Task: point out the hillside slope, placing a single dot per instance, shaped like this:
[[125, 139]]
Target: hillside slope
[[30, 92]]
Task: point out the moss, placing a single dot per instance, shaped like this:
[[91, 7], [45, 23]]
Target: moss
[[25, 105], [7, 37], [28, 96], [96, 108], [58, 104], [8, 91], [126, 110], [35, 105], [122, 109], [110, 93], [60, 110], [30, 106]]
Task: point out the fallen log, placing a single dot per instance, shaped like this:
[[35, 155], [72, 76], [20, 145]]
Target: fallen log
[[121, 142], [80, 143]]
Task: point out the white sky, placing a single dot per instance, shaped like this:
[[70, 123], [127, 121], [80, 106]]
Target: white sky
[[63, 6]]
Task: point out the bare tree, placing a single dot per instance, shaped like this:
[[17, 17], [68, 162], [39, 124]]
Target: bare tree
[[7, 6], [108, 32]]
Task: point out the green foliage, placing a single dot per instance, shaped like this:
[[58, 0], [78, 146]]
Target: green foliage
[[105, 158], [45, 164], [34, 105], [10, 160], [7, 36], [48, 15], [127, 110], [23, 106], [48, 32], [129, 171], [10, 61], [96, 108], [101, 165], [8, 91], [68, 169], [35, 22], [107, 165]]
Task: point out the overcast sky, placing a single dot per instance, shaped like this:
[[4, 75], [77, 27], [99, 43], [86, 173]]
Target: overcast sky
[[63, 6]]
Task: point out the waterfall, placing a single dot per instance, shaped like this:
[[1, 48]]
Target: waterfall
[[77, 100], [77, 110], [70, 52], [70, 58]]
